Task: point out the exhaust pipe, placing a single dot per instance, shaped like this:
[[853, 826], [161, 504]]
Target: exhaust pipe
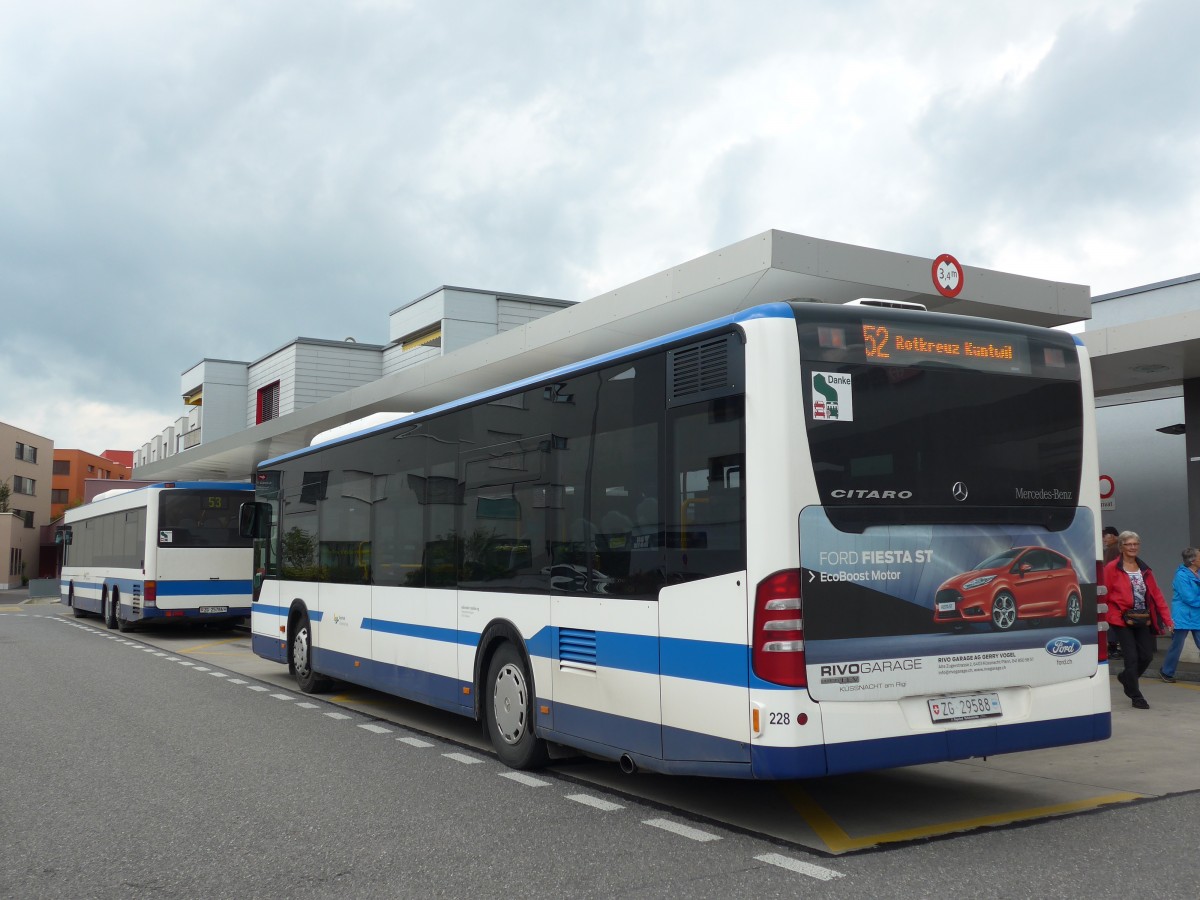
[[628, 766]]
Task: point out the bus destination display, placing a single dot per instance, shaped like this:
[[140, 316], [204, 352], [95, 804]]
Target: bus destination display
[[909, 345]]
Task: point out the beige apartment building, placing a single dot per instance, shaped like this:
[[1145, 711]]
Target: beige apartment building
[[26, 468]]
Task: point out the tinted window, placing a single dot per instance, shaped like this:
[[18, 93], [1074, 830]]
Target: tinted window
[[200, 519]]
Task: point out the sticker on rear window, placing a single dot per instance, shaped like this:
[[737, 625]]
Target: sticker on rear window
[[832, 397]]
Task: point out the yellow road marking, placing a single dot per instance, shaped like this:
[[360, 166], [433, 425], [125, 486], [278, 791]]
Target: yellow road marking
[[836, 839]]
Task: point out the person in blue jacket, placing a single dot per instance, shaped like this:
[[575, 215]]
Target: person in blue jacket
[[1185, 610]]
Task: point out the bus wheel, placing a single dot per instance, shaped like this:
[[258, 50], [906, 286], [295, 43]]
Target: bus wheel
[[107, 611], [123, 625], [508, 707], [1004, 611], [300, 659], [1074, 609]]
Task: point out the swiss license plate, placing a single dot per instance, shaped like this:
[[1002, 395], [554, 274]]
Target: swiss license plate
[[214, 609], [965, 706], [946, 607]]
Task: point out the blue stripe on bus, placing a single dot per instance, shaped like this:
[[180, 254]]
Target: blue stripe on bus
[[776, 310], [269, 648], [192, 588], [910, 750], [413, 684], [711, 662], [314, 615], [427, 632]]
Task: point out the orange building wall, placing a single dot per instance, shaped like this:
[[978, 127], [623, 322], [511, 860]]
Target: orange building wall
[[72, 482]]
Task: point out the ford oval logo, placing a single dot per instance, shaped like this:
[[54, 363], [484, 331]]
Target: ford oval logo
[[1063, 646]]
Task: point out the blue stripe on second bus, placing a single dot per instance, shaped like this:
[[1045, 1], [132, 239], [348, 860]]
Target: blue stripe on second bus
[[193, 588]]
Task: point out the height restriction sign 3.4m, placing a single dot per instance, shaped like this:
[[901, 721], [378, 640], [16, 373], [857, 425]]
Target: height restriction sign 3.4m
[[948, 275]]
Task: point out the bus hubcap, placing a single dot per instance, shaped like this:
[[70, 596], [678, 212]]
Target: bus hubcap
[[510, 704]]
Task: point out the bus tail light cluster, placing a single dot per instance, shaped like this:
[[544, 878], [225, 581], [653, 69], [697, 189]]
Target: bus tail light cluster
[[778, 654], [1101, 610], [150, 593]]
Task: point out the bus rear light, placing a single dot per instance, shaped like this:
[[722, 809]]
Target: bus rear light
[[778, 651], [172, 612], [150, 593]]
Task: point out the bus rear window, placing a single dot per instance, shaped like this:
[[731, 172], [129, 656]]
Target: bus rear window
[[201, 519], [946, 437]]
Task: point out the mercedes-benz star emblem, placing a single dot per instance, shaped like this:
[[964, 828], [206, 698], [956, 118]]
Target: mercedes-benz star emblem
[[959, 491]]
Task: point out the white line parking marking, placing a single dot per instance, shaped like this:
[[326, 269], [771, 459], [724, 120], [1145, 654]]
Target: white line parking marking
[[218, 674], [237, 681], [184, 662], [462, 758], [172, 659], [803, 868], [283, 696], [414, 742], [258, 687], [594, 802], [694, 834], [522, 778], [307, 705], [337, 715], [201, 669], [375, 729], [160, 654]]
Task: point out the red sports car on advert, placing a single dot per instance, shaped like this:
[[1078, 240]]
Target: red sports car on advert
[[1019, 583]]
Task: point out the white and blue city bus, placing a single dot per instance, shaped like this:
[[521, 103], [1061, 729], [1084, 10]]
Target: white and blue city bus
[[165, 552], [735, 550]]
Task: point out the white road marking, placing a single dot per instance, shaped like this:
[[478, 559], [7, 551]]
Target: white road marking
[[307, 705], [595, 802], [337, 715], [686, 831], [803, 868], [218, 674], [283, 696], [463, 758], [522, 778], [201, 669], [184, 662], [238, 681], [375, 729], [258, 687], [414, 742]]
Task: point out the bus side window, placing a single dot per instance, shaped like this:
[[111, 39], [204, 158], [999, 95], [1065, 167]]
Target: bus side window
[[705, 522]]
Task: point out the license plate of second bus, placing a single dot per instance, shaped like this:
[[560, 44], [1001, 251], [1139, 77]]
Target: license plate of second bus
[[214, 609], [965, 706]]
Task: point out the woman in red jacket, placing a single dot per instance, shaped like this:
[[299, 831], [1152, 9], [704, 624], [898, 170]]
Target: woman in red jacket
[[1137, 611]]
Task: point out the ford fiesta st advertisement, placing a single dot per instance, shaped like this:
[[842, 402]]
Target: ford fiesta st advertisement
[[904, 610]]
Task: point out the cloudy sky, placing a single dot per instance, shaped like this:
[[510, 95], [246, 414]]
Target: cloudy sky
[[190, 180]]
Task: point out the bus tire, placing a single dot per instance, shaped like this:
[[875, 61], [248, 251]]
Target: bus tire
[[107, 611], [1004, 611], [300, 659], [123, 625], [508, 711], [75, 610]]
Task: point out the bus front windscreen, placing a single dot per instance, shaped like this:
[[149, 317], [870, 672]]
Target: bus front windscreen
[[188, 518]]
